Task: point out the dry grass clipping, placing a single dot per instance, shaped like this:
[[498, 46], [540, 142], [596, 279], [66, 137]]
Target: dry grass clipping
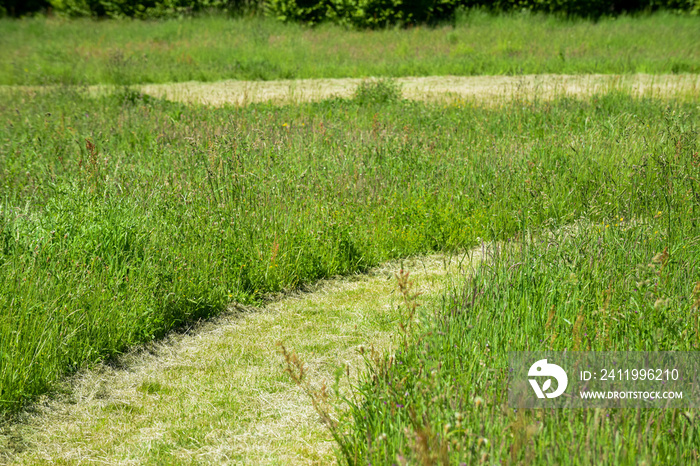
[[482, 90], [219, 393]]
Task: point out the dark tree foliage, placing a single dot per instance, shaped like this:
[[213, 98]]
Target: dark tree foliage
[[122, 8], [356, 13], [22, 7], [379, 13]]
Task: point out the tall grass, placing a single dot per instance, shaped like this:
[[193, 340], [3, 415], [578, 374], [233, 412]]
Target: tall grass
[[443, 397], [49, 50], [124, 216], [624, 276]]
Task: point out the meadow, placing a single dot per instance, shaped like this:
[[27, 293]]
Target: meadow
[[38, 51], [597, 250], [125, 216]]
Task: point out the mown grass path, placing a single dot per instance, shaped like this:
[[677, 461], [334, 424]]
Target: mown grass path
[[219, 393], [484, 90], [480, 90]]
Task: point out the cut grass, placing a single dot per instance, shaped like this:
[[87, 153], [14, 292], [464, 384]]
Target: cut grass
[[219, 394], [475, 90], [51, 51], [447, 90]]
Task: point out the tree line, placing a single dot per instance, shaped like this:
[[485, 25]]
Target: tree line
[[356, 13]]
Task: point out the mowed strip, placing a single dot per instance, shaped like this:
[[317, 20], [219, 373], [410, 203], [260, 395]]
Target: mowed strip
[[220, 394], [485, 90]]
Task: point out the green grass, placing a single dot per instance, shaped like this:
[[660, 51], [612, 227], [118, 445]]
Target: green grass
[[226, 382], [599, 284], [169, 212], [448, 393], [49, 50]]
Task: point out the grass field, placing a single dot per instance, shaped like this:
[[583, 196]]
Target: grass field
[[49, 51], [125, 215], [614, 276]]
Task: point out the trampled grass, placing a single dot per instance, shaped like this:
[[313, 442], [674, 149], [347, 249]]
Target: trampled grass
[[124, 216], [50, 51]]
